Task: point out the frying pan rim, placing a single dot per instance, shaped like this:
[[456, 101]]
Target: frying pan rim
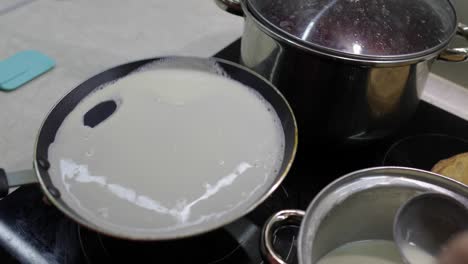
[[279, 178]]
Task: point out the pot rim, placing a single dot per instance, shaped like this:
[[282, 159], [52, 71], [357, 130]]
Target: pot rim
[[282, 36], [459, 188], [71, 214]]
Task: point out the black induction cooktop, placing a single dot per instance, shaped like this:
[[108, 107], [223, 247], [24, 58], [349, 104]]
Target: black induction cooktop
[[31, 231]]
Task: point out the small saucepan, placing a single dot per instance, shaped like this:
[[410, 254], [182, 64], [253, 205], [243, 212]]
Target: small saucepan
[[48, 131], [357, 207]]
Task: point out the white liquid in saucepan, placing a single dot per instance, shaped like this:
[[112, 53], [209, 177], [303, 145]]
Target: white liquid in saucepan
[[415, 254], [364, 252], [183, 150], [375, 252]]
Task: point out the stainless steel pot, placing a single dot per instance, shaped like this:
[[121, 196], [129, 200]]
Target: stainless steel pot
[[358, 206], [352, 70]]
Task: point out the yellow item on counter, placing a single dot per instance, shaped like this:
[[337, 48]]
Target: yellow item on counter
[[455, 167]]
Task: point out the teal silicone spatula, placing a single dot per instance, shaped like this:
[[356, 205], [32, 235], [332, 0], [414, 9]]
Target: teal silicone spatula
[[22, 68]]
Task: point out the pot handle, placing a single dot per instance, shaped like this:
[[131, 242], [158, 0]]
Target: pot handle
[[282, 218], [14, 179], [232, 6], [456, 54]]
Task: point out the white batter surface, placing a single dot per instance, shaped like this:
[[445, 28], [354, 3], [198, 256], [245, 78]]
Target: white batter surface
[[184, 150]]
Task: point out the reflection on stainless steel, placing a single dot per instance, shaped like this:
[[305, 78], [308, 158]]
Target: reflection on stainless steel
[[264, 60], [385, 89], [457, 54]]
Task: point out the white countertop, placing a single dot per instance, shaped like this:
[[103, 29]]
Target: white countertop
[[86, 37]]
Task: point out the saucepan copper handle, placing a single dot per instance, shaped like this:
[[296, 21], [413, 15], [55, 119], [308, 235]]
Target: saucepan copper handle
[[457, 54], [15, 179], [282, 218], [232, 6]]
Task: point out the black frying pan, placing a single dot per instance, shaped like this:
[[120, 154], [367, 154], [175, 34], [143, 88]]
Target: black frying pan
[[56, 116]]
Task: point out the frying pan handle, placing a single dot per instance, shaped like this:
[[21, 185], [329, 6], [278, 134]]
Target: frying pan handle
[[14, 179], [282, 218], [231, 6], [457, 54]]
